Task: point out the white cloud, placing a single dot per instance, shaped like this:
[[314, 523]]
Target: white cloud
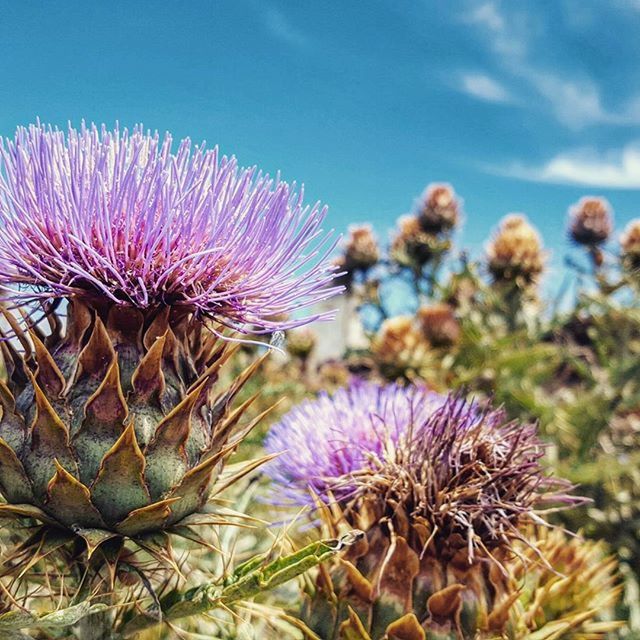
[[575, 102], [487, 15], [280, 27], [483, 87], [578, 103], [504, 40], [617, 169]]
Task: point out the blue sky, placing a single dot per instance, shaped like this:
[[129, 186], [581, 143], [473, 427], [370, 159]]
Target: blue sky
[[522, 106]]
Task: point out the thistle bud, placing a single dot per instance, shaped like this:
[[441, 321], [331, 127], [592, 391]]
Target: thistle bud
[[439, 210], [590, 221], [515, 254], [439, 325], [630, 246], [361, 248]]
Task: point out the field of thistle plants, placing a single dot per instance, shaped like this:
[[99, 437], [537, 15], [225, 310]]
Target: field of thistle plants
[[183, 454]]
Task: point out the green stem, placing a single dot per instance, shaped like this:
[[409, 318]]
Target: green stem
[[247, 581]]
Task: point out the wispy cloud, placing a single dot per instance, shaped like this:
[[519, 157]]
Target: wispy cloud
[[483, 87], [504, 40], [575, 102], [616, 169], [281, 28]]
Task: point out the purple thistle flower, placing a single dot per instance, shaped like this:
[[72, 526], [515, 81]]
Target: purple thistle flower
[[327, 440], [119, 215], [467, 474]]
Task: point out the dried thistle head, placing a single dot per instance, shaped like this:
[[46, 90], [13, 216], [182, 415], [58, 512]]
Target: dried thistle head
[[439, 209], [630, 246], [439, 324], [361, 249], [413, 246], [571, 587], [515, 253], [399, 345], [590, 221]]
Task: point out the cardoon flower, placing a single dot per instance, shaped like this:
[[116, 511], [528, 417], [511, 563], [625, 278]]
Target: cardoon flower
[[399, 346], [119, 216], [590, 221], [438, 208], [515, 254], [113, 419], [444, 492], [332, 437]]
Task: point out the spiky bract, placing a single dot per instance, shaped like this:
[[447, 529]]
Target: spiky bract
[[119, 215], [118, 424]]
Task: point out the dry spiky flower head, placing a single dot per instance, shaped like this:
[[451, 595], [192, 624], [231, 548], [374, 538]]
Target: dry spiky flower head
[[399, 345], [361, 249], [515, 253], [590, 221], [439, 209], [413, 246]]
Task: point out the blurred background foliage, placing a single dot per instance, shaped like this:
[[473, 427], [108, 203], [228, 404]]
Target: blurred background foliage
[[420, 310]]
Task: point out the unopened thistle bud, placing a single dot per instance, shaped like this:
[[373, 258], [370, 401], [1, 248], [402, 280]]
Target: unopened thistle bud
[[361, 248], [439, 324], [301, 342], [439, 209], [443, 491], [515, 254], [590, 221], [630, 246]]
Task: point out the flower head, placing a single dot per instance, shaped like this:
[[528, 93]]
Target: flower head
[[465, 475], [361, 248], [590, 221], [119, 215], [332, 437], [439, 208], [412, 245], [515, 254], [439, 324]]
